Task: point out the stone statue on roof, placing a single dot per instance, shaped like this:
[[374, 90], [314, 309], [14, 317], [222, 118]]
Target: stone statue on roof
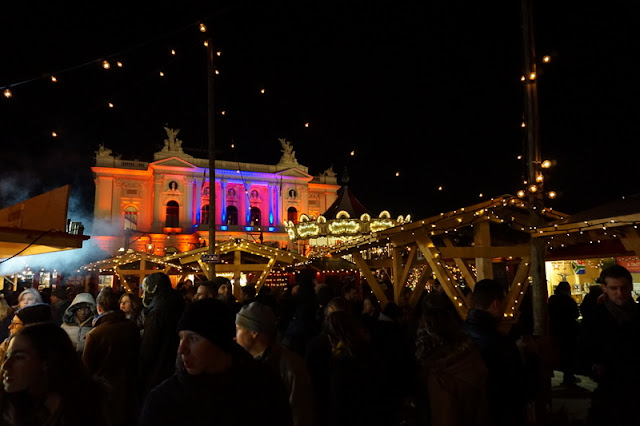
[[288, 154], [172, 143], [329, 172], [103, 152]]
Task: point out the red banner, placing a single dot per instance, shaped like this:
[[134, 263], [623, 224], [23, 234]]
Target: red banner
[[631, 263]]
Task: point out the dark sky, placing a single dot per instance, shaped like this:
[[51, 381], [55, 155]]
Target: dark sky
[[427, 89]]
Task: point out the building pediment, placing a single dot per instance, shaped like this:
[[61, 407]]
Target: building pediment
[[172, 162], [294, 173]]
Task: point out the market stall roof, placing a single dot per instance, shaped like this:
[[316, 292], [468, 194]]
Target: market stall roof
[[39, 225], [347, 202], [331, 264], [119, 263]]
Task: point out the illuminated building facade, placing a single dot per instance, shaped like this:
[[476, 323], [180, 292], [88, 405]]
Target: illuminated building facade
[[163, 206]]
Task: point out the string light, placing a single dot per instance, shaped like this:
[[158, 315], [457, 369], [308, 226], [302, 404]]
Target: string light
[[203, 28], [110, 105], [54, 79], [206, 43], [353, 153], [546, 59], [546, 164], [481, 195], [520, 193], [522, 78], [216, 72], [161, 74], [119, 64], [533, 188], [106, 65], [7, 93], [439, 188], [306, 124], [532, 76], [262, 91], [523, 124], [552, 194], [223, 112], [397, 173], [173, 52], [519, 157], [219, 53], [54, 134]]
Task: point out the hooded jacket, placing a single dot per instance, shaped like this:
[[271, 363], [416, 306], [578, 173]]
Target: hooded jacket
[[78, 331]]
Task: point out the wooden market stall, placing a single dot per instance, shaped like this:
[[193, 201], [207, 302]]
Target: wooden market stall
[[237, 256], [486, 240]]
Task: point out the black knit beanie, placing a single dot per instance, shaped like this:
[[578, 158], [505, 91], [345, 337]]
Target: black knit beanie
[[212, 319], [40, 312]]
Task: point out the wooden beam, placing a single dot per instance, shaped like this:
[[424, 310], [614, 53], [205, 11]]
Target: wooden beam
[[469, 277], [265, 274], [371, 279], [595, 224], [519, 285], [405, 273], [396, 272], [425, 275], [482, 238], [484, 252], [452, 292], [237, 274], [380, 263]]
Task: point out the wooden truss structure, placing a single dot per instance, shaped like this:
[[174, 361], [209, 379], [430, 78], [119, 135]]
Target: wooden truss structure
[[470, 237]]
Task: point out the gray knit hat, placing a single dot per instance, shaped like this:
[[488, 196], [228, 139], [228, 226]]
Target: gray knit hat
[[257, 317]]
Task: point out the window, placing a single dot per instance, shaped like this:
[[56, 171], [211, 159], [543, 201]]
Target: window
[[254, 194], [232, 215], [231, 193], [131, 218], [173, 215], [255, 217], [204, 214], [292, 214], [293, 194], [173, 185]]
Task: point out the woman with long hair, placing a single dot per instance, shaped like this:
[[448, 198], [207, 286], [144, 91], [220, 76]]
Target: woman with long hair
[[131, 305], [45, 383]]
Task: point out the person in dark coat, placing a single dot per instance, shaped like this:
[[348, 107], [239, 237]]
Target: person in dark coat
[[506, 382], [563, 315], [59, 304], [302, 326], [111, 354], [216, 382], [159, 340], [613, 340]]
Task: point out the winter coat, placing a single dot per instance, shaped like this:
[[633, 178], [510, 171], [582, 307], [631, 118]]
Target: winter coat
[[111, 353], [452, 387], [248, 394], [159, 344], [297, 381], [78, 331], [506, 383]]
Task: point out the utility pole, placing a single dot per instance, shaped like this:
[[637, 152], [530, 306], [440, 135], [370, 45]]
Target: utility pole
[[212, 158]]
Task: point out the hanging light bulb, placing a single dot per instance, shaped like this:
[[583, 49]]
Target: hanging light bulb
[[546, 164], [161, 74], [519, 157], [203, 28], [533, 188], [106, 65], [7, 93], [119, 64], [546, 59], [521, 193], [539, 178], [223, 112], [532, 76], [522, 78], [306, 124], [353, 153], [219, 53], [262, 91], [206, 43], [173, 52], [397, 173], [54, 79], [552, 194], [110, 105], [54, 134]]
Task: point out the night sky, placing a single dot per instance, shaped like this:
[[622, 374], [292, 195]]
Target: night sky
[[428, 89]]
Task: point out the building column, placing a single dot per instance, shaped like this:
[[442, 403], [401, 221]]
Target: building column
[[273, 208], [157, 207], [247, 203], [187, 224], [223, 201]]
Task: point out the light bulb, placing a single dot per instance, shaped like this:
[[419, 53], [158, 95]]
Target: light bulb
[[54, 79], [119, 64], [217, 72], [539, 178], [533, 188], [397, 173], [306, 124], [439, 188], [161, 74], [521, 193], [523, 124], [233, 146], [532, 76], [110, 105], [353, 153], [203, 28], [552, 194], [223, 112], [54, 134], [262, 90], [219, 53], [522, 78], [173, 52], [206, 43], [546, 164], [7, 93], [519, 157], [106, 65], [546, 59], [480, 195]]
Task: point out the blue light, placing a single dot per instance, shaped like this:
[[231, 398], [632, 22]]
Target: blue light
[[271, 229], [271, 218], [248, 228], [223, 227]]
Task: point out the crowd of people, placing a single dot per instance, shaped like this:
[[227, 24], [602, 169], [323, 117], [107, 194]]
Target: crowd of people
[[199, 356]]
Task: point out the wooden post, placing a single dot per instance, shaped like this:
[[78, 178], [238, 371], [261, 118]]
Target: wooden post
[[371, 279], [237, 261], [265, 273], [396, 272], [482, 238]]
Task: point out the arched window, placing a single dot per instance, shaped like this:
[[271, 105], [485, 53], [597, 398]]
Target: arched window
[[255, 216], [204, 214], [173, 215], [232, 215], [292, 214], [254, 194], [231, 193], [131, 218]]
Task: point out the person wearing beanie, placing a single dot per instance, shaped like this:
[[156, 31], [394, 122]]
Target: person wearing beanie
[[59, 304], [159, 343], [256, 332], [40, 312], [214, 372]]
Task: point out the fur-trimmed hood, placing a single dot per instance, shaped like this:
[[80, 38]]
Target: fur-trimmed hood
[[80, 299]]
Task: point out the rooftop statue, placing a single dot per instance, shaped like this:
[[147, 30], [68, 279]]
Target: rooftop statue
[[329, 172], [172, 143], [103, 152], [288, 154]]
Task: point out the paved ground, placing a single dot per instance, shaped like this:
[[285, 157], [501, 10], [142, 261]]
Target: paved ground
[[570, 404]]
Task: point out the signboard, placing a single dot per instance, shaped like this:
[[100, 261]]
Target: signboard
[[632, 263], [210, 258]]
